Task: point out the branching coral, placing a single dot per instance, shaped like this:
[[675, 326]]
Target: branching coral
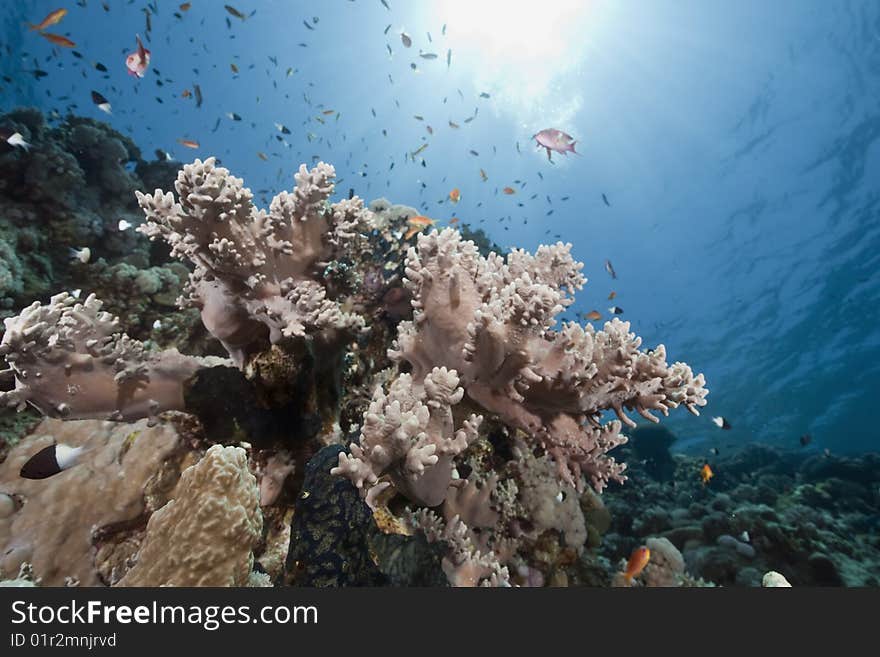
[[258, 274], [491, 322], [465, 564], [69, 359], [409, 435]]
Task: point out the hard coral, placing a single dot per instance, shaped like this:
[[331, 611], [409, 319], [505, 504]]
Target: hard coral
[[205, 536], [491, 322], [258, 275], [54, 523]]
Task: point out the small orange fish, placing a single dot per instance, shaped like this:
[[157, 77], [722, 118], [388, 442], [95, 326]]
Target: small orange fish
[[509, 190], [637, 562], [189, 143], [58, 40], [420, 221], [328, 112], [706, 473], [185, 6], [416, 224], [483, 175], [612, 295], [186, 93], [453, 221], [52, 19], [262, 156], [455, 195], [594, 315]]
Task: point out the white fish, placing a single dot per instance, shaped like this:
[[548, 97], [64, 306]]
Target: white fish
[[721, 422], [123, 225], [83, 255], [744, 537], [75, 293], [17, 140], [157, 325]]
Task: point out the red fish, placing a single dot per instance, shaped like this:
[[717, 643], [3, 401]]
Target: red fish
[[58, 40], [138, 62], [555, 140]]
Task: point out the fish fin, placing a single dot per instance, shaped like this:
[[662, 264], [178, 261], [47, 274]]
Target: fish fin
[[571, 148]]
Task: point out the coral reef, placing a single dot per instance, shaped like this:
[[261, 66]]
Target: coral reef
[[70, 189], [810, 517], [398, 408], [487, 324], [467, 425]]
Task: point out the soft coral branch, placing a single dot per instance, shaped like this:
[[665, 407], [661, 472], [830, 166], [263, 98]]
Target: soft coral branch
[[259, 275], [69, 359], [492, 322]]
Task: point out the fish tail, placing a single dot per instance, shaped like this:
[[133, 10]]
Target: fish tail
[[571, 148]]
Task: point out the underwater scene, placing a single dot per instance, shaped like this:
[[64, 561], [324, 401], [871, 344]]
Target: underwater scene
[[439, 293]]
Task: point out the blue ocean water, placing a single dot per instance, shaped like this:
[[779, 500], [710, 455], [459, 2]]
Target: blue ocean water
[[736, 144]]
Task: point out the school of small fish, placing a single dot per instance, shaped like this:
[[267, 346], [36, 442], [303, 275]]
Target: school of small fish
[[428, 47]]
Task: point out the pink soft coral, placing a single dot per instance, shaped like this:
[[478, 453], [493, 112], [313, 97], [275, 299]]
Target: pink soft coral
[[257, 274], [491, 322], [69, 359]]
